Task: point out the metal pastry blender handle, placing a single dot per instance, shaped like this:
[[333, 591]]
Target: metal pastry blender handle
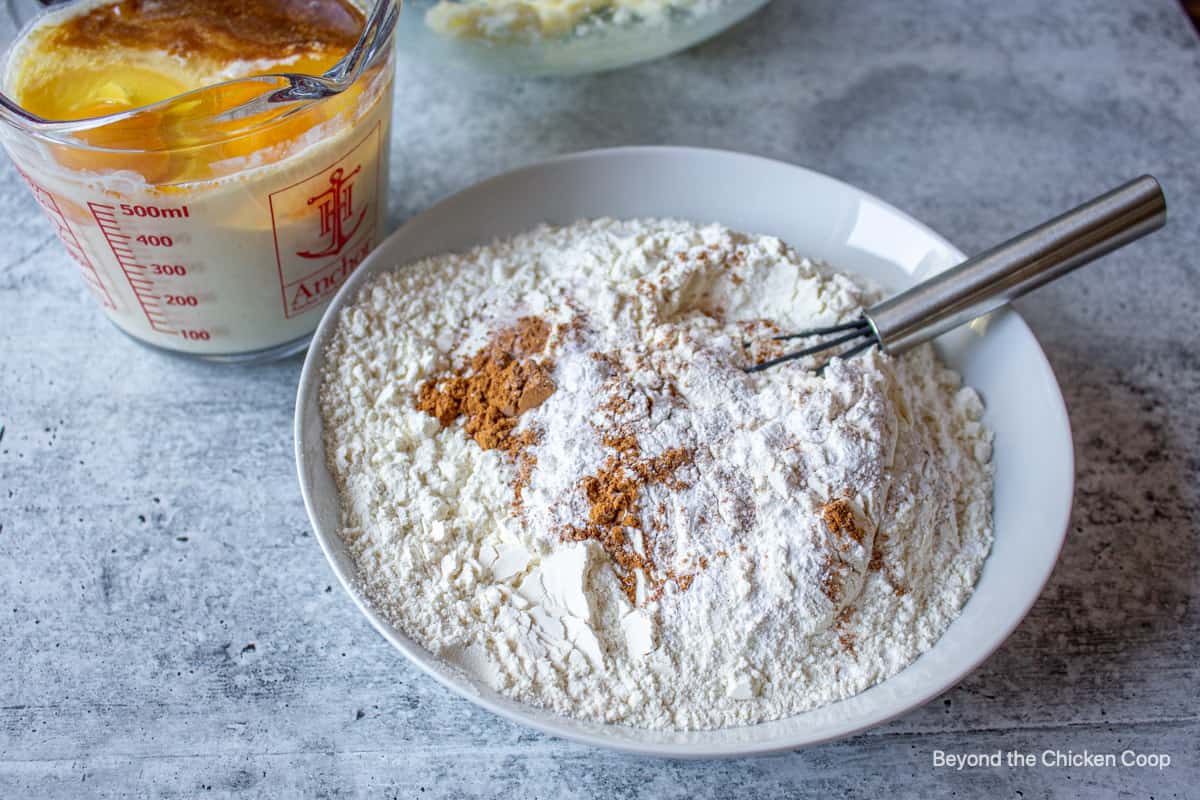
[[989, 280]]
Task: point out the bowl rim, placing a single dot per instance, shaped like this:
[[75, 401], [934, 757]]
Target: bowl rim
[[606, 50], [528, 715]]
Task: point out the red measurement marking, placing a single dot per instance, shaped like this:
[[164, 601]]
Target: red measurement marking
[[67, 236], [143, 289]]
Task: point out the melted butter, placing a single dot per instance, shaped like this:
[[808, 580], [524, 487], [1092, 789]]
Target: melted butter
[[111, 57], [131, 53]]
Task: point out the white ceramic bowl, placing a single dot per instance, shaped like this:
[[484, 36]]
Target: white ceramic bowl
[[821, 217]]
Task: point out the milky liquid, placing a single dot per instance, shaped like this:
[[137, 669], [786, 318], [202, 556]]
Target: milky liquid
[[227, 250]]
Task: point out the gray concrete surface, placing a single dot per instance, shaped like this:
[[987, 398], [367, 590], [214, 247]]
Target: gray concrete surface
[[168, 626]]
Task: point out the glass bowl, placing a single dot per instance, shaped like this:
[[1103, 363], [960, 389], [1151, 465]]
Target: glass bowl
[[511, 36]]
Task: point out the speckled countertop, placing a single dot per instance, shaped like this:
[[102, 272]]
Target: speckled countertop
[[170, 627]]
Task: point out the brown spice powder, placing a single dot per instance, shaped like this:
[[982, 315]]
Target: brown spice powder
[[832, 582], [498, 384], [220, 30], [507, 378], [760, 346], [845, 638], [613, 493], [876, 562], [839, 518]]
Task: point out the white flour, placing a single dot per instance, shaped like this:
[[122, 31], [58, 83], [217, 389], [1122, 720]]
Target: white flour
[[820, 533]]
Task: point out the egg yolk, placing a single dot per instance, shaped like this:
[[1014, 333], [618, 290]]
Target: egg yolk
[[115, 56], [100, 59]]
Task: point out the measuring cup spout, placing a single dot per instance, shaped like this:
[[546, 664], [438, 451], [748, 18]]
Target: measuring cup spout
[[376, 34]]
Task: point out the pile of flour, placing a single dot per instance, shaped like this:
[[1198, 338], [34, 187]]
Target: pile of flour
[[821, 532]]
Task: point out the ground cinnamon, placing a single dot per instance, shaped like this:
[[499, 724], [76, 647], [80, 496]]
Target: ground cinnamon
[[499, 383], [838, 516], [510, 376], [832, 582], [613, 493], [845, 638], [760, 342]]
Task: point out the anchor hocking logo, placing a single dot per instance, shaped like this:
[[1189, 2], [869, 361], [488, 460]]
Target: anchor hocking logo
[[325, 225], [337, 207]]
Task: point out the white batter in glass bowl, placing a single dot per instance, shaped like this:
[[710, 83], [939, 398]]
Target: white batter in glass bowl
[[561, 37]]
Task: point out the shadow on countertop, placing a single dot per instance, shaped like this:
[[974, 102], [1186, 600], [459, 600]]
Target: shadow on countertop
[[1116, 611]]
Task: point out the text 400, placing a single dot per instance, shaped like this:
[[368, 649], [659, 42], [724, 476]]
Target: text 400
[[151, 240]]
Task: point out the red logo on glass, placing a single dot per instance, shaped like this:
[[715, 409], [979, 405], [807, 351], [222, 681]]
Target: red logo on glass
[[325, 226]]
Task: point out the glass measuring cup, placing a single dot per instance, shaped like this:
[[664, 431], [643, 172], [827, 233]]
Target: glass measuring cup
[[220, 222]]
